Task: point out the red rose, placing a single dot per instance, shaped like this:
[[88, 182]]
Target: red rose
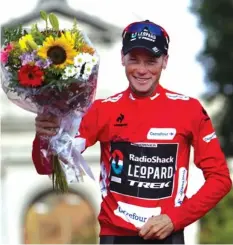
[[30, 76]]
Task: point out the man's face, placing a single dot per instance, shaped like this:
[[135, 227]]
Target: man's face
[[143, 70]]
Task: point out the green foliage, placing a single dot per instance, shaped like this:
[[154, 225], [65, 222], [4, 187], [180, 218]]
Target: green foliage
[[79, 40], [54, 21], [12, 34], [216, 20], [43, 15], [37, 35], [217, 225], [13, 60], [75, 26], [53, 71], [14, 79]]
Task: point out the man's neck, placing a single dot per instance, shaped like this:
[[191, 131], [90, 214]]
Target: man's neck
[[149, 93]]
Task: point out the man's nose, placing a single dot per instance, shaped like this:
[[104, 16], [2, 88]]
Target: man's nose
[[142, 69]]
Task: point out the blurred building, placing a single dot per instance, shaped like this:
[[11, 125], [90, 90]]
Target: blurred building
[[31, 213]]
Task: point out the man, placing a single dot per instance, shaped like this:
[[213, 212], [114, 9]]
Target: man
[[145, 135]]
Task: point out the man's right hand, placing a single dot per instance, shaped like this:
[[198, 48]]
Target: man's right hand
[[47, 125]]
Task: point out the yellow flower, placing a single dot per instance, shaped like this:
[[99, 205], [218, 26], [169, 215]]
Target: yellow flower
[[59, 50], [70, 37], [23, 41]]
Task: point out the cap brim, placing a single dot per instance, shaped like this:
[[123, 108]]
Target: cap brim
[[157, 54]]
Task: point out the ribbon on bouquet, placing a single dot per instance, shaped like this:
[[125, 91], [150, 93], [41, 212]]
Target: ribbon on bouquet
[[69, 149]]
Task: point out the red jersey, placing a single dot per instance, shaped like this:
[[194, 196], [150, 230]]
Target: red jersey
[[145, 149]]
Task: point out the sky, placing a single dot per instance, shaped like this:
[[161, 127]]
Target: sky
[[184, 73]]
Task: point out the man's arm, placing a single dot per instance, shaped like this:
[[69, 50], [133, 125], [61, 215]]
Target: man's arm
[[88, 130], [209, 157]]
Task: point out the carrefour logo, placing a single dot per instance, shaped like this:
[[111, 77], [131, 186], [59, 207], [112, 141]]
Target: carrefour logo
[[117, 161], [135, 215], [161, 133]]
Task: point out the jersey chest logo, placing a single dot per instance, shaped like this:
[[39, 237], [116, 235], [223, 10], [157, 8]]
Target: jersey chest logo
[[143, 170], [161, 134]]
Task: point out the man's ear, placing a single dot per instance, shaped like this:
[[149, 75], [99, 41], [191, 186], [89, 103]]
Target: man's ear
[[165, 61], [122, 59]]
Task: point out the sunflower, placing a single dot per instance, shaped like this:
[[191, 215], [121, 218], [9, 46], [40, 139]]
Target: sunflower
[[59, 50], [70, 37]]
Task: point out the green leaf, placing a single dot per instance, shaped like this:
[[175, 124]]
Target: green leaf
[[43, 15], [75, 26], [54, 21], [12, 34]]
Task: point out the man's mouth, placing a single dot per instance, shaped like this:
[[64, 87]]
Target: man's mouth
[[142, 79]]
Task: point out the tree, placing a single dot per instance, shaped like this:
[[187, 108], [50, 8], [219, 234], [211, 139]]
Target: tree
[[216, 21], [217, 225]]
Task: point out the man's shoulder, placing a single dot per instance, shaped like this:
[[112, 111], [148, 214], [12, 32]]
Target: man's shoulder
[[188, 104], [107, 103], [111, 99], [180, 97]]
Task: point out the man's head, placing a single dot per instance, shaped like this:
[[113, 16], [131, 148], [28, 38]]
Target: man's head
[[144, 55]]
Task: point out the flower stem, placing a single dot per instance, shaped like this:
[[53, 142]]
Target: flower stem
[[58, 177]]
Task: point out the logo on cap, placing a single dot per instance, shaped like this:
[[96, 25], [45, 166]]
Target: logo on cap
[[144, 34], [156, 50], [133, 36]]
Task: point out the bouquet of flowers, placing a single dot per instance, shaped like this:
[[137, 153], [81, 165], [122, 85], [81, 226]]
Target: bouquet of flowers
[[53, 71]]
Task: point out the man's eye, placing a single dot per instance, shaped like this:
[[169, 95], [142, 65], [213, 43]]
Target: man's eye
[[152, 61]]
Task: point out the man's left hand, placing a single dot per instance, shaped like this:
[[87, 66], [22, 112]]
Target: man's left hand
[[157, 227]]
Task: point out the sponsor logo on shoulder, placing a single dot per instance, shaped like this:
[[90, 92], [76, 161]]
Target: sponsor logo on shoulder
[[177, 96], [135, 215], [209, 137], [113, 99], [161, 134]]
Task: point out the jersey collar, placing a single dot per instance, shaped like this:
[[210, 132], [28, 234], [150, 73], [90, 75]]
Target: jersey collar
[[158, 90]]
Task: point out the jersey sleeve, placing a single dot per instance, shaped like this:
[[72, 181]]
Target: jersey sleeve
[[91, 125], [208, 157], [89, 130]]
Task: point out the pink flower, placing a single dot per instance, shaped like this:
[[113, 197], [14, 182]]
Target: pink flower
[[5, 53], [8, 48], [4, 57]]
